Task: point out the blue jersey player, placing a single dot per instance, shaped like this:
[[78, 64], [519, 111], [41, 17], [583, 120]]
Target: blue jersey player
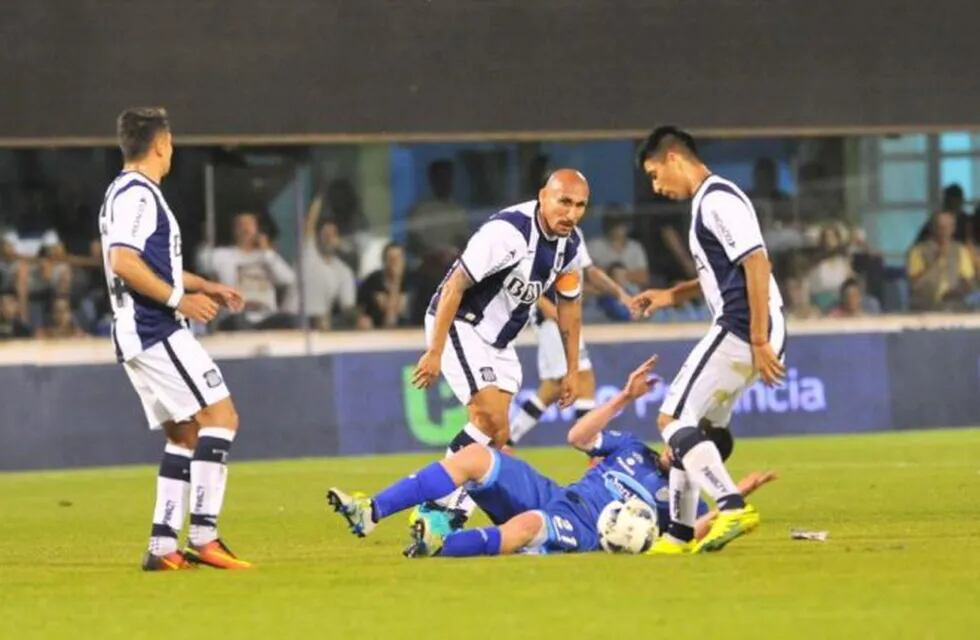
[[529, 511]]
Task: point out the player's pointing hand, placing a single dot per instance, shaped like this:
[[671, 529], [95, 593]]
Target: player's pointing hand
[[427, 370]]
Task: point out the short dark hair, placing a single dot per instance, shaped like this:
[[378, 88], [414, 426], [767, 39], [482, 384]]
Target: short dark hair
[[388, 247], [847, 284], [661, 139], [137, 127]]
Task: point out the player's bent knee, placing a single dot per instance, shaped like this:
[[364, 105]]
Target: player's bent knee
[[219, 414], [182, 434], [491, 422], [663, 420], [521, 530], [473, 460]]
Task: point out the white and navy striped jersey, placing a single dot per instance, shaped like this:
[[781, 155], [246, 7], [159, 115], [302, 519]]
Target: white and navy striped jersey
[[511, 262], [724, 231], [582, 262], [134, 214]]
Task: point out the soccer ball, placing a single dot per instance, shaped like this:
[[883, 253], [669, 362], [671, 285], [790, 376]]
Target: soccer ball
[[627, 527]]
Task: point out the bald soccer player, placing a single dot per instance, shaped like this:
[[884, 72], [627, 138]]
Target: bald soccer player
[[486, 299]]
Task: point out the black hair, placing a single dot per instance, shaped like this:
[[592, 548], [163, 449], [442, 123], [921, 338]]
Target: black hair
[[661, 139], [850, 282], [137, 127], [389, 246]]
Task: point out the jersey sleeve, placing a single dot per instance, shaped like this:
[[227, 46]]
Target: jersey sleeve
[[133, 218], [494, 247], [733, 221], [610, 441]]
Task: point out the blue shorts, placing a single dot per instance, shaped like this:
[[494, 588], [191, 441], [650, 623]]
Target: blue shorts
[[513, 486]]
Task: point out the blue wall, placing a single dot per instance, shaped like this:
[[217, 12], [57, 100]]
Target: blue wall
[[360, 403]]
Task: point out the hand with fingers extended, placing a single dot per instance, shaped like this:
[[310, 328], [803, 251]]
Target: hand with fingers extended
[[198, 307], [765, 361], [427, 370], [646, 303], [642, 380]]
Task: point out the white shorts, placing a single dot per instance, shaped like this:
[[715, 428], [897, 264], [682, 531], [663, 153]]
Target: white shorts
[[551, 352], [470, 364], [715, 374], [175, 378]]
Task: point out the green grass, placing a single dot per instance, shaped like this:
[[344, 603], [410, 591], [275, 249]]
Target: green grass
[[902, 560]]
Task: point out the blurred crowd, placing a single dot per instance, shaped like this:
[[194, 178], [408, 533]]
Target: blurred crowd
[[52, 286]]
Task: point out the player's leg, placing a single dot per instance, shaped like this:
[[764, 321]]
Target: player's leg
[[512, 536], [209, 479], [586, 391], [473, 463], [531, 409], [189, 385], [705, 379], [173, 477]]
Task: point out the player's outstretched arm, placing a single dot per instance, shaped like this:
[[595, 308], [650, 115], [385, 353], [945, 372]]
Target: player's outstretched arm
[[746, 486], [647, 302], [583, 433], [138, 276], [757, 274], [599, 279], [427, 370]]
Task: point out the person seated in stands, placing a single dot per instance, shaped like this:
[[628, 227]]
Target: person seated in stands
[[853, 302], [12, 324], [798, 303], [831, 268], [382, 299], [940, 270], [252, 266], [329, 288], [61, 323], [615, 246]]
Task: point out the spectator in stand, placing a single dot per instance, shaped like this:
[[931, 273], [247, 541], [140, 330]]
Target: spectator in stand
[[853, 302], [35, 241], [12, 324], [617, 247], [382, 299], [798, 304], [344, 209], [329, 287], [940, 270], [831, 269], [253, 267], [61, 323], [953, 201], [438, 224], [10, 265]]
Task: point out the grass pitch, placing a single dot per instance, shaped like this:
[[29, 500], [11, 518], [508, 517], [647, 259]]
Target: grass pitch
[[902, 560]]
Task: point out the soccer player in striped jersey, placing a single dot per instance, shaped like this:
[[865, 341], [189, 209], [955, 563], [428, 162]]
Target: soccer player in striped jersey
[[486, 299], [747, 338], [179, 386]]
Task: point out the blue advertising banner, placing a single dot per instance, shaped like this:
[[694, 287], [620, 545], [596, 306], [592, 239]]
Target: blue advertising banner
[[834, 384]]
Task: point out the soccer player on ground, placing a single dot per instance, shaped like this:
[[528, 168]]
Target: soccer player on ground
[[531, 512], [747, 338], [551, 354], [179, 386], [485, 300]]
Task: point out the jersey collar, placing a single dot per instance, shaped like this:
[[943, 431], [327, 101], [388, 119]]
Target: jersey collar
[[537, 223]]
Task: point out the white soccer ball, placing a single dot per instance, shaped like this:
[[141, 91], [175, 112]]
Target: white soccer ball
[[627, 527]]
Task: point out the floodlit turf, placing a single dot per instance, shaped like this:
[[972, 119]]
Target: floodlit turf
[[902, 559]]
